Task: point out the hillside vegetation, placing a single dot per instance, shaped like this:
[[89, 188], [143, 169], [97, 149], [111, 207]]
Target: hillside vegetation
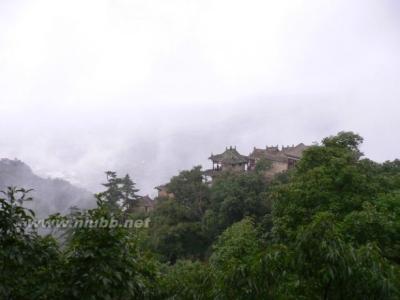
[[328, 229]]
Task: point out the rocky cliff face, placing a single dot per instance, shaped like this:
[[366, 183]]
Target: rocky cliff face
[[50, 195]]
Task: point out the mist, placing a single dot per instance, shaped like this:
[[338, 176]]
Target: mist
[[150, 88]]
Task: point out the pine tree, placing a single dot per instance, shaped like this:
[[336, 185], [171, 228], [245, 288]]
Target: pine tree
[[129, 197], [120, 193]]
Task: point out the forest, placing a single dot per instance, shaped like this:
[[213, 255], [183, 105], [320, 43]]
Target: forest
[[327, 229]]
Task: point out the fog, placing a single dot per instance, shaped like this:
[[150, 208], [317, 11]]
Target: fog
[[151, 87]]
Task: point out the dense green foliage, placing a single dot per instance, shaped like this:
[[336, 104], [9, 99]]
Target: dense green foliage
[[329, 229], [106, 263], [120, 192], [29, 263]]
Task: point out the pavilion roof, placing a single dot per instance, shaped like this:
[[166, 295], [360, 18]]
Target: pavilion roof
[[229, 156]]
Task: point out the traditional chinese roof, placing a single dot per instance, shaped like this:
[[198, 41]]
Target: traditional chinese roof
[[295, 152], [162, 187], [145, 201], [231, 157], [274, 154]]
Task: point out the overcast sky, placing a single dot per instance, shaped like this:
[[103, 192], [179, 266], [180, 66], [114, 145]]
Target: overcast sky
[[151, 87]]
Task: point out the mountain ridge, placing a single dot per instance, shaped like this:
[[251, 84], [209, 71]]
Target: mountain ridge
[[50, 195]]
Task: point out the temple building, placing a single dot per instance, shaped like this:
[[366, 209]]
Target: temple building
[[144, 204], [281, 159], [229, 160], [163, 191]]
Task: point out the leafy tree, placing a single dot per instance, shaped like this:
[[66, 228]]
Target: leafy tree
[[328, 178], [330, 268], [176, 229], [232, 261], [187, 280], [346, 140], [29, 263], [234, 197], [176, 232], [333, 216], [376, 223], [190, 191], [106, 262]]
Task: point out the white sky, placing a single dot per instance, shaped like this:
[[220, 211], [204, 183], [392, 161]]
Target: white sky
[[151, 87]]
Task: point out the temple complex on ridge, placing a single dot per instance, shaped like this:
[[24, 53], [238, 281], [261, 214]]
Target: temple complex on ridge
[[280, 159]]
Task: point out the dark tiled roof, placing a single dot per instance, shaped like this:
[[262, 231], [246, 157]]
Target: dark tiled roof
[[257, 153], [274, 154], [145, 201], [162, 187], [296, 152], [230, 156]]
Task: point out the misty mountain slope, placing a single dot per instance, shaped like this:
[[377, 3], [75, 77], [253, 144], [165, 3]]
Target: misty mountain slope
[[50, 195]]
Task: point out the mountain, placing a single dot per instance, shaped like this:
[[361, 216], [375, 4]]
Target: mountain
[[50, 195]]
